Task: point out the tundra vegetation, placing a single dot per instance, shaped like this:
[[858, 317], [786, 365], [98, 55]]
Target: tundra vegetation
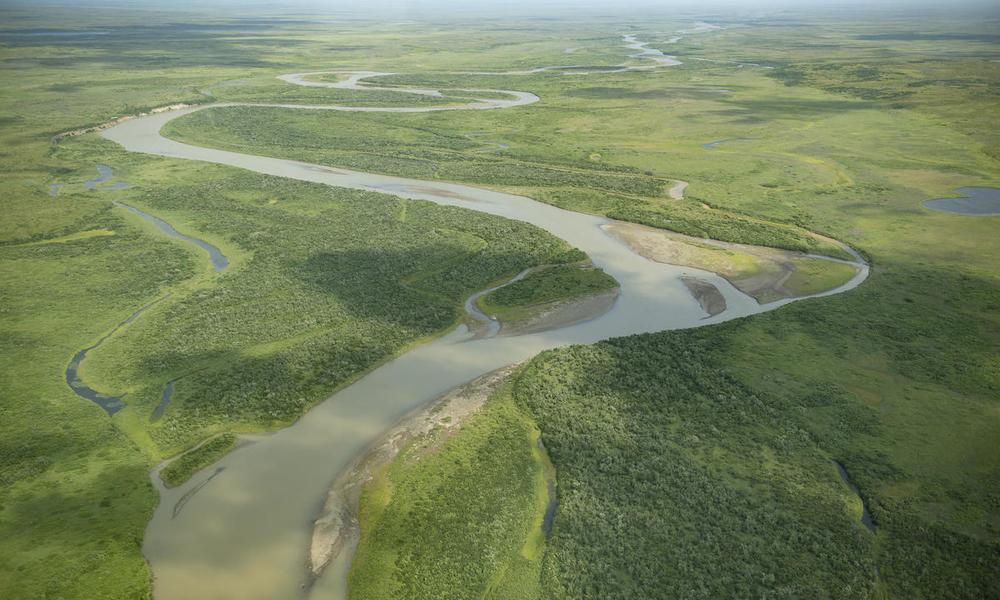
[[701, 463], [180, 470], [544, 287], [688, 463]]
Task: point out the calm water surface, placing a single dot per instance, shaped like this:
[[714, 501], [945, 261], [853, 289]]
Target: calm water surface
[[246, 535], [978, 201]]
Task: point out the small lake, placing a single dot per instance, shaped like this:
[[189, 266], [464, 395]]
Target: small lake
[[977, 201]]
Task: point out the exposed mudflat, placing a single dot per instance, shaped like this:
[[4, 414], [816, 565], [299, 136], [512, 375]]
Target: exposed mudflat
[[676, 191], [766, 274], [708, 296]]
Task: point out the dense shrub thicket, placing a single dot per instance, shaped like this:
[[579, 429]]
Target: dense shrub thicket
[[445, 523], [547, 285], [335, 282], [189, 463], [677, 481], [381, 145]]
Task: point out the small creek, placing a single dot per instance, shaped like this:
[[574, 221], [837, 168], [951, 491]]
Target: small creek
[[110, 404], [866, 517], [105, 173], [113, 404], [550, 488], [219, 260], [168, 392], [489, 325], [716, 143]]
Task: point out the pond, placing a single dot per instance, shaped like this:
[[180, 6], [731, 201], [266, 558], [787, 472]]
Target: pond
[[976, 201]]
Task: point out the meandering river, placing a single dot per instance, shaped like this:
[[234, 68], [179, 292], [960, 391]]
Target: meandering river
[[247, 534]]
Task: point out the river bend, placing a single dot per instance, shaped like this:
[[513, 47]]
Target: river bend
[[247, 534]]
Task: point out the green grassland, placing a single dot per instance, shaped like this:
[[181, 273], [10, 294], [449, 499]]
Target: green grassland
[[700, 464], [812, 277], [334, 282], [694, 463], [324, 284], [671, 484], [429, 146]]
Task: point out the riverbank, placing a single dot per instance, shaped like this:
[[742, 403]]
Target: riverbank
[[336, 531], [766, 274], [497, 441], [653, 298], [560, 313], [109, 124], [647, 287]]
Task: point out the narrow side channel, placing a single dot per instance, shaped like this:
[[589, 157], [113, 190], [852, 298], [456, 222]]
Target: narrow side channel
[[113, 404], [110, 404], [219, 260], [866, 517]]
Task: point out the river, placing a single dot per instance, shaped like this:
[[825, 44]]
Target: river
[[247, 534]]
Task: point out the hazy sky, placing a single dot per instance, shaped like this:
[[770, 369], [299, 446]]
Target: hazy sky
[[988, 11], [506, 5]]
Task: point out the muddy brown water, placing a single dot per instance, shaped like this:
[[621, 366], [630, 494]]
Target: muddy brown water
[[247, 534]]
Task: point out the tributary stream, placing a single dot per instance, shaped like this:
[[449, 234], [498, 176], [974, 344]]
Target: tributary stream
[[247, 534]]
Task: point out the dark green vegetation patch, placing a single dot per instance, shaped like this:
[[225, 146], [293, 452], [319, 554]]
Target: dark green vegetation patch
[[335, 281], [193, 461], [423, 493], [547, 285]]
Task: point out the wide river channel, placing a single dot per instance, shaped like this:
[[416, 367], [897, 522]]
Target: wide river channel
[[247, 533]]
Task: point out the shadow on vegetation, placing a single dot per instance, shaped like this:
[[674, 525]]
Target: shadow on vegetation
[[624, 93], [774, 110], [429, 294], [992, 38], [649, 436]]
